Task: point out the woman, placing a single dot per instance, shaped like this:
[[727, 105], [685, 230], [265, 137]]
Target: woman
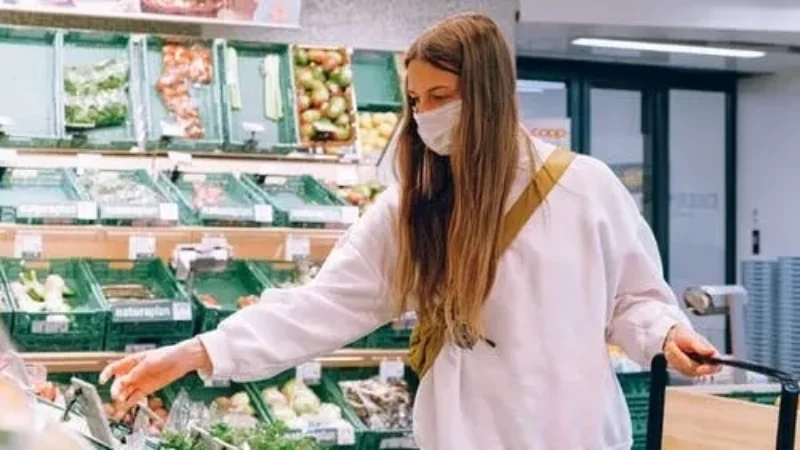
[[516, 305]]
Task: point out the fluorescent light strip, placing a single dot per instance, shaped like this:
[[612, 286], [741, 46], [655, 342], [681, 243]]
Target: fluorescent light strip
[[668, 48]]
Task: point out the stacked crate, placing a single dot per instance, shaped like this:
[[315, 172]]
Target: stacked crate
[[759, 277], [788, 314]]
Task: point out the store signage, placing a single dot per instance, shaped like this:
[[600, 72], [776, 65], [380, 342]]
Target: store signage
[[149, 311], [556, 131], [266, 13]]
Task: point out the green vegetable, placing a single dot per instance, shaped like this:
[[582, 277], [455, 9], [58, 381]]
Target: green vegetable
[[301, 57], [344, 77]]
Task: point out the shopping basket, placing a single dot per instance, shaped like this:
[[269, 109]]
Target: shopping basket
[[787, 414]]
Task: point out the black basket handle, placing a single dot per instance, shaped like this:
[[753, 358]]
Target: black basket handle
[[787, 414]]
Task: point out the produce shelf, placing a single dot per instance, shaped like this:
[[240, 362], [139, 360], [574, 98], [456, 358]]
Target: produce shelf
[[400, 439], [6, 310], [325, 436], [36, 196], [82, 328], [99, 73], [249, 129], [157, 314], [376, 81], [29, 92], [201, 93], [240, 279], [302, 202], [216, 199], [197, 391], [128, 198]]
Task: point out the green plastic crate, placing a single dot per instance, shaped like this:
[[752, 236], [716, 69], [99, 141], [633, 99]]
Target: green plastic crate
[[326, 438], [389, 336], [370, 439], [302, 202], [240, 279], [134, 324], [29, 91], [376, 81], [37, 196], [762, 398], [161, 211], [278, 137], [240, 205], [206, 98], [6, 312], [636, 389], [86, 48], [200, 392], [41, 331]]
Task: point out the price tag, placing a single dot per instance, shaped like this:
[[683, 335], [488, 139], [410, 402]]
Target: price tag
[[28, 246], [309, 373], [214, 240], [392, 370], [87, 210], [137, 348], [264, 169], [297, 247], [324, 436], [407, 321], [50, 326], [217, 383], [346, 435], [181, 311], [347, 176], [263, 213], [275, 181], [170, 129], [398, 443], [168, 212], [8, 157], [252, 127], [141, 246], [349, 214]]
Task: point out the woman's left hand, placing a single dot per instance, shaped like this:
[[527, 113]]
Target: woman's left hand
[[682, 341]]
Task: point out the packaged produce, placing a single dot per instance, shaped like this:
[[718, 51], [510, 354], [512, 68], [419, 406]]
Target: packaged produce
[[299, 408], [183, 67], [362, 195], [379, 403], [115, 412], [375, 130], [323, 80], [265, 436], [207, 195], [96, 94], [33, 296], [108, 187]]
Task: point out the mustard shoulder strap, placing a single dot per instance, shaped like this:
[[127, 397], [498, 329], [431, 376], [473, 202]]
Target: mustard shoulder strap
[[540, 186]]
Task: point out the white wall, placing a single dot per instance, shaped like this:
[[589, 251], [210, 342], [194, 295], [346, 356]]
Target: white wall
[[769, 164]]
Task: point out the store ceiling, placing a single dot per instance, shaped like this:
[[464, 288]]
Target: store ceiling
[[554, 40]]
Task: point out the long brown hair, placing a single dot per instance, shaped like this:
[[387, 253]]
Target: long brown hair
[[452, 208]]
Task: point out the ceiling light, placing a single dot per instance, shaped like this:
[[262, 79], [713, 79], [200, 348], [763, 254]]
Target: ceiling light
[[668, 48]]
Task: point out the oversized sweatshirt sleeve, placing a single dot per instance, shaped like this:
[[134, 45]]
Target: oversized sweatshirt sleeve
[[347, 299], [643, 306]]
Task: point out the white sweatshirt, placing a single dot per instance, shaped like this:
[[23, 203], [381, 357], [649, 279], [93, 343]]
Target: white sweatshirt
[[584, 272]]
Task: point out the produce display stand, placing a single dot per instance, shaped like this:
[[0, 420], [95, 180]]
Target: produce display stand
[[302, 202], [237, 204], [139, 323], [36, 196], [207, 99], [30, 91], [249, 130], [122, 210], [240, 279], [81, 328], [86, 48]]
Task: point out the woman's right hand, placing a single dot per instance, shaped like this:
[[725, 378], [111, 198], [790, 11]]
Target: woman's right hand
[[143, 373]]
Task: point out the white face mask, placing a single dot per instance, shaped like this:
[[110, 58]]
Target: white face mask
[[436, 127]]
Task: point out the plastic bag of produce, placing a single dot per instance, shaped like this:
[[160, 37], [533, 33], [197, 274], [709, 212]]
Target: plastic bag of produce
[[96, 94]]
